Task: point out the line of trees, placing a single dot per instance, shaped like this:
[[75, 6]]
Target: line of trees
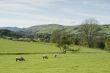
[[4, 33]]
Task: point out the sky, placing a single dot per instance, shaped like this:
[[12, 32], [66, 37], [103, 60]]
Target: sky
[[26, 13]]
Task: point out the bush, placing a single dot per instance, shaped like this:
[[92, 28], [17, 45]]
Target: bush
[[107, 43], [99, 42]]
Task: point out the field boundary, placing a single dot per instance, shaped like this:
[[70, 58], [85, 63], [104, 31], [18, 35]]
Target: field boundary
[[48, 53]]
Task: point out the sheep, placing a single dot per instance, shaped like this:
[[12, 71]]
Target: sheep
[[20, 59], [55, 55], [45, 57]]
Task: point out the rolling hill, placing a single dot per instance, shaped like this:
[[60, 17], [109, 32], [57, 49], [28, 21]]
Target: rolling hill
[[49, 28]]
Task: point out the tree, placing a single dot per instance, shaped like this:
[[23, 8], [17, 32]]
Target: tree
[[107, 43], [89, 31], [63, 39]]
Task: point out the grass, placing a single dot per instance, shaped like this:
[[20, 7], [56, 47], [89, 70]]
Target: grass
[[8, 46], [69, 63], [86, 61]]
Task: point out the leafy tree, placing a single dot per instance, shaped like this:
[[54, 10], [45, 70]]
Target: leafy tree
[[89, 31], [63, 39]]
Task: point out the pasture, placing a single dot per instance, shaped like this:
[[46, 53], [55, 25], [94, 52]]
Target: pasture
[[86, 61], [8, 46]]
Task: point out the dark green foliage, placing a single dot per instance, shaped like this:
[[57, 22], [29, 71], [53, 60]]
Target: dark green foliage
[[4, 33], [99, 42], [44, 37], [76, 39], [63, 39], [107, 43], [101, 45]]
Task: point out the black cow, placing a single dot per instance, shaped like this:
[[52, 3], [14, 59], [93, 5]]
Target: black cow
[[20, 59], [45, 57]]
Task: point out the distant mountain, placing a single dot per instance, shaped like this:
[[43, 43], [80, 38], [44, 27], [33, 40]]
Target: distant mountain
[[49, 28], [15, 29]]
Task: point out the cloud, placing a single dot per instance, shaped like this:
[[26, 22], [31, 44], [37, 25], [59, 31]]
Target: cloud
[[20, 5], [85, 2], [25, 13], [28, 22], [29, 2]]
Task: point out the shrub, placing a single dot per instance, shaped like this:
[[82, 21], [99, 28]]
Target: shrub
[[107, 43]]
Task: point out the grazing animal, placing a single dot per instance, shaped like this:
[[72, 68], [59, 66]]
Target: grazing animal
[[20, 59], [45, 57], [55, 55]]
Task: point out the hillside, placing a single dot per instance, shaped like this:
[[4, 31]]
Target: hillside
[[49, 28], [45, 28], [105, 29], [73, 29]]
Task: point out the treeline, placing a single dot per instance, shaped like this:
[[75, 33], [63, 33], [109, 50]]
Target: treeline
[[7, 34], [24, 36]]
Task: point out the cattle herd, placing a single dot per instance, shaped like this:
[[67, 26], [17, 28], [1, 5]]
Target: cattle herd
[[20, 58]]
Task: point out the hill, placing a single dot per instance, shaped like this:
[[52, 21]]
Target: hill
[[49, 28], [15, 29], [105, 29]]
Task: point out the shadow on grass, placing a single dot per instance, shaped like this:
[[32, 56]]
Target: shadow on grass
[[28, 53], [49, 53]]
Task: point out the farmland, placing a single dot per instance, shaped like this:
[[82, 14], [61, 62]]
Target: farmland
[[7, 46], [85, 61], [54, 36]]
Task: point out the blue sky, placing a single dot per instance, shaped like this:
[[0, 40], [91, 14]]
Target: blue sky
[[25, 13]]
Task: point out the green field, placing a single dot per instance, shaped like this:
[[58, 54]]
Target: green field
[[85, 61], [8, 46]]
